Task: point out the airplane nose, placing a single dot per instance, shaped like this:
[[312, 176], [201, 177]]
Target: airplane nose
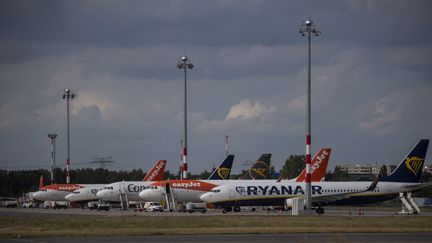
[[38, 196], [144, 195], [68, 197], [100, 194], [206, 197]]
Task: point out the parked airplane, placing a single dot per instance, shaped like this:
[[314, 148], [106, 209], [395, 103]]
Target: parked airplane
[[191, 190], [88, 193], [58, 192], [129, 190], [405, 178]]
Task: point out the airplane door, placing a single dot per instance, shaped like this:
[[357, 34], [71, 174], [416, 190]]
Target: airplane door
[[122, 188], [231, 192], [167, 189]]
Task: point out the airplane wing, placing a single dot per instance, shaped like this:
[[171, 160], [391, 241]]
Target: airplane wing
[[343, 195], [417, 186]]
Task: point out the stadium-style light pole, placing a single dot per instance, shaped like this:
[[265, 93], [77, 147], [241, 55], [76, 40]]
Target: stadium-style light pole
[[184, 63], [308, 28], [68, 95]]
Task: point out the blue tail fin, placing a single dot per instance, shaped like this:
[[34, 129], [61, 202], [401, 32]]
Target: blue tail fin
[[411, 167], [223, 171]]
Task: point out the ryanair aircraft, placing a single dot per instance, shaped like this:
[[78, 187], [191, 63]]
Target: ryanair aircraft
[[405, 178], [191, 190]]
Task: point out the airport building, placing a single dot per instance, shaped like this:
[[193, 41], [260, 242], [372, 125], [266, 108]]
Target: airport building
[[367, 169]]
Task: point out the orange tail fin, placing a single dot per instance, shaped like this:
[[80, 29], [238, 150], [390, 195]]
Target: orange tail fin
[[156, 173], [318, 166], [41, 183]]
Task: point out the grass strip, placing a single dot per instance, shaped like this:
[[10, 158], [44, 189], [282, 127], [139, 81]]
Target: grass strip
[[137, 225]]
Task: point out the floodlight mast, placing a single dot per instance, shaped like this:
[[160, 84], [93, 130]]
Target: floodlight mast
[[68, 95], [308, 28], [184, 63]]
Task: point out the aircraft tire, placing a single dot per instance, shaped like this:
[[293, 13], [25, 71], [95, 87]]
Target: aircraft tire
[[319, 210], [237, 209]]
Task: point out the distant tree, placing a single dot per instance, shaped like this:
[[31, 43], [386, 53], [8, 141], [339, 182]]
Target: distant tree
[[204, 175], [272, 172], [293, 166], [239, 175], [426, 176], [339, 175], [383, 170]]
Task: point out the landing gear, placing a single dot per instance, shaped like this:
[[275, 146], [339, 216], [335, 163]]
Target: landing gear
[[237, 209], [227, 209], [319, 210]]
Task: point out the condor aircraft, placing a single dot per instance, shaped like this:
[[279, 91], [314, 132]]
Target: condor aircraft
[[130, 189], [191, 190], [83, 192], [405, 178], [87, 194]]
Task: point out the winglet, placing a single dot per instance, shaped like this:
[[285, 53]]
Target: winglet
[[223, 171], [373, 185], [156, 173], [318, 166]]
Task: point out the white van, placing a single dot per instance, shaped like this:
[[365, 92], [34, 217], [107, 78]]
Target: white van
[[153, 207]]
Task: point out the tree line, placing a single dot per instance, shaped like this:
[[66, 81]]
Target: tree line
[[15, 183]]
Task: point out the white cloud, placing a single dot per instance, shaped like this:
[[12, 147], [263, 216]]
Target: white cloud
[[246, 110]]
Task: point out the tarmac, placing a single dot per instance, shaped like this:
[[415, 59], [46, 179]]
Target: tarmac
[[268, 238]]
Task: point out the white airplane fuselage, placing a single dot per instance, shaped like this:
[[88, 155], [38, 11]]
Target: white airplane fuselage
[[258, 193], [131, 189], [85, 194]]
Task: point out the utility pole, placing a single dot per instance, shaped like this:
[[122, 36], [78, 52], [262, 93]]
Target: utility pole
[[52, 136]]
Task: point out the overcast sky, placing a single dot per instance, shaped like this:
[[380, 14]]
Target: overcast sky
[[371, 80]]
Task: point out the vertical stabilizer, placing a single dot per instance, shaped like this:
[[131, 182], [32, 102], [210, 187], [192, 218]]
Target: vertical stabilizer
[[156, 173], [259, 169], [41, 182], [318, 166], [223, 171], [411, 167]]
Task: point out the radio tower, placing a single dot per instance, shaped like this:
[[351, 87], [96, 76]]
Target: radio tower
[[52, 136], [226, 145]]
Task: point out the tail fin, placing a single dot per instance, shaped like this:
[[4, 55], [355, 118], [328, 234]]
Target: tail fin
[[411, 167], [156, 173], [318, 166], [41, 182], [259, 170], [223, 171]]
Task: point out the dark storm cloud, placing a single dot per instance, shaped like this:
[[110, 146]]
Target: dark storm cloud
[[371, 79]]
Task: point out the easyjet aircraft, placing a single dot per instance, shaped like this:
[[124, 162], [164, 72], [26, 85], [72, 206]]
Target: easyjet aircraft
[[58, 192], [130, 189], [405, 178], [191, 190]]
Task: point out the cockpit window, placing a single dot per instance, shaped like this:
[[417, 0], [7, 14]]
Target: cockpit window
[[215, 190]]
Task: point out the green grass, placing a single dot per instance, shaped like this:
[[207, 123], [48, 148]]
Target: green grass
[[74, 225]]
